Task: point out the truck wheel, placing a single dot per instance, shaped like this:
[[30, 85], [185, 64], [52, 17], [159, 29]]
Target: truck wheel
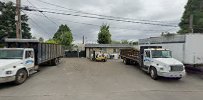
[[21, 76], [153, 73], [124, 61], [178, 78], [55, 61], [128, 61]]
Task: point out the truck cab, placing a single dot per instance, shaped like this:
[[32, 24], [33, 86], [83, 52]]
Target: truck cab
[[159, 62], [22, 57], [16, 64]]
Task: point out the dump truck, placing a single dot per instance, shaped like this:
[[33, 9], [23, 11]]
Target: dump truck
[[154, 60], [21, 58]]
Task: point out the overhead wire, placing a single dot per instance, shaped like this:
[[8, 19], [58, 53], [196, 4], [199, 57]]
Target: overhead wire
[[82, 12], [43, 14], [37, 25], [98, 25], [102, 18]]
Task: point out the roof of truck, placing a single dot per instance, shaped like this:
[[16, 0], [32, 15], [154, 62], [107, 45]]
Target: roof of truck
[[21, 40], [16, 48], [156, 49]]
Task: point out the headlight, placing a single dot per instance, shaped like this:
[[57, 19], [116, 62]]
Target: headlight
[[8, 72]]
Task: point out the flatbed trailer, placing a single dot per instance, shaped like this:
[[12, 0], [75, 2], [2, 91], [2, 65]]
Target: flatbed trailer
[[135, 55], [154, 60], [130, 56]]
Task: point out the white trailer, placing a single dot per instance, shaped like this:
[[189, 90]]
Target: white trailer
[[185, 48]]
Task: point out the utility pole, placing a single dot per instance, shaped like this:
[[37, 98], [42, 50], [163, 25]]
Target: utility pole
[[191, 23], [83, 39], [18, 19]]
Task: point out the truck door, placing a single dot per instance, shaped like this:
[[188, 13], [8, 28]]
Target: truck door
[[29, 59], [147, 59]]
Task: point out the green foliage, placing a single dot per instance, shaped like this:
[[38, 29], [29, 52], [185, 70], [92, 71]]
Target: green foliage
[[124, 42], [51, 41], [104, 36], [1, 45], [195, 8], [63, 36], [41, 39], [168, 34], [115, 42], [7, 21], [133, 43]]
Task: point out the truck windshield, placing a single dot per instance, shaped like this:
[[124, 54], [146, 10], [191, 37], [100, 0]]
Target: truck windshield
[[11, 54], [161, 54]]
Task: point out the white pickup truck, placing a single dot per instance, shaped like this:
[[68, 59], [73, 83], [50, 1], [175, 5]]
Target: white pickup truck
[[22, 57], [156, 62]]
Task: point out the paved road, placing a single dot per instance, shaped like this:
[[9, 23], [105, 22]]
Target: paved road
[[81, 79]]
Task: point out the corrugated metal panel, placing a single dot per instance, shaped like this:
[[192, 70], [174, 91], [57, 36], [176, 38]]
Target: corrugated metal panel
[[163, 39], [109, 45], [21, 40]]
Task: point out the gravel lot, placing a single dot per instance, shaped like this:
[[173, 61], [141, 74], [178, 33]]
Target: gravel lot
[[82, 79]]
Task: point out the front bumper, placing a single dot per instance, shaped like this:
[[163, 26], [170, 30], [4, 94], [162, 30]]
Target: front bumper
[[7, 79], [172, 74]]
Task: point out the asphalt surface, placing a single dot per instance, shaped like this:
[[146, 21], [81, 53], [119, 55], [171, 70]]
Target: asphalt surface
[[82, 79]]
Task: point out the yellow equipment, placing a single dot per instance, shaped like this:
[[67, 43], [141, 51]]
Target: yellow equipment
[[101, 57]]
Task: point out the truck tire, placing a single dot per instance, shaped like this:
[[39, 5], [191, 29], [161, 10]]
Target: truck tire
[[55, 61], [126, 61], [153, 73], [21, 76], [104, 60], [178, 78]]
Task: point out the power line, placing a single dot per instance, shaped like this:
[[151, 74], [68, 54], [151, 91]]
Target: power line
[[78, 11], [37, 25], [102, 18], [98, 25], [43, 14]]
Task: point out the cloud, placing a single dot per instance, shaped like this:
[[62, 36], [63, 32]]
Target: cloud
[[166, 11]]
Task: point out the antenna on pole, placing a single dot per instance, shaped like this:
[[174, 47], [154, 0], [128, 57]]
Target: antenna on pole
[[18, 19]]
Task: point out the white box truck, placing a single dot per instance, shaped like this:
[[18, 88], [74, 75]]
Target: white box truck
[[185, 48]]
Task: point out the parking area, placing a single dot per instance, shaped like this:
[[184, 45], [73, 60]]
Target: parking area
[[82, 79]]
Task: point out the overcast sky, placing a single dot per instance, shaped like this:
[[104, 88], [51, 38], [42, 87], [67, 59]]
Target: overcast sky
[[164, 11]]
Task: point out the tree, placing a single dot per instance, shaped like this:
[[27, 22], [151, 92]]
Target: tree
[[41, 39], [115, 42], [124, 42], [133, 42], [51, 41], [104, 36], [63, 35], [194, 8], [7, 21]]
